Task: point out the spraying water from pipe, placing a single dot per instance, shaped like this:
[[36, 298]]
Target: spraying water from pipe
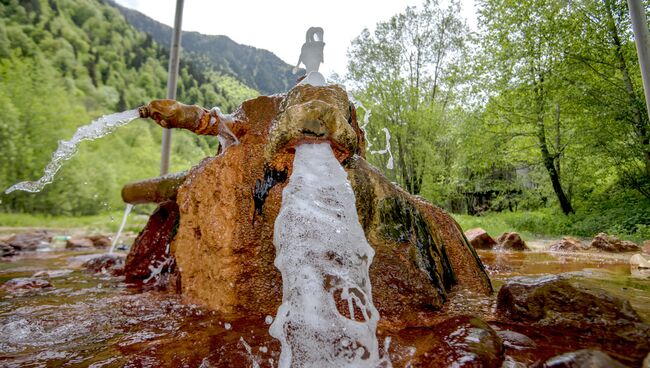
[[66, 149]]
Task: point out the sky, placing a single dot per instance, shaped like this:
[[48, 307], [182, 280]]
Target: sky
[[280, 25]]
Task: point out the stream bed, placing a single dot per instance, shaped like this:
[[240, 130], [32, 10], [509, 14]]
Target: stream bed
[[97, 320]]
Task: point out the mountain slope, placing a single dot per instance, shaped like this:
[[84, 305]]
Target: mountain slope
[[66, 62], [257, 68]]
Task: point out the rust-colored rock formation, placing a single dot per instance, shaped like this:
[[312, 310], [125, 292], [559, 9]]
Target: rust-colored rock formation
[[511, 241], [150, 249], [228, 204], [609, 243], [480, 239]]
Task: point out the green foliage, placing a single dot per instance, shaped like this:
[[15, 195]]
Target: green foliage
[[64, 63], [626, 215], [405, 74], [541, 109]]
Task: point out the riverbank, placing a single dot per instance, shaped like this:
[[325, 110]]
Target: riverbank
[[551, 224]]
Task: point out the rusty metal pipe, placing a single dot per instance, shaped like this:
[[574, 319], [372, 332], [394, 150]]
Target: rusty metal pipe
[[173, 114], [156, 190]]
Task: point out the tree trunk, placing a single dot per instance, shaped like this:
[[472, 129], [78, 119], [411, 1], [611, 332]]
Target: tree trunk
[[550, 167], [547, 158]]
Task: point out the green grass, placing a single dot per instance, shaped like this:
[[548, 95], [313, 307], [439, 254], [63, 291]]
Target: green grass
[[549, 223], [104, 222], [494, 223]]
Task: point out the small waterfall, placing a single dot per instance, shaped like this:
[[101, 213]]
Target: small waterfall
[[66, 149], [127, 211], [324, 257]]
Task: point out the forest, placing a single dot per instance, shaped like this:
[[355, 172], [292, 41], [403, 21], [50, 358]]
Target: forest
[[537, 117], [64, 63]]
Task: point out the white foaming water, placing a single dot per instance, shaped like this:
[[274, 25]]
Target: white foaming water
[[323, 255], [366, 120], [66, 149], [127, 211], [389, 164]]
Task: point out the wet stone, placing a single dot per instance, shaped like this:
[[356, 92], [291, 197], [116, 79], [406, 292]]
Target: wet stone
[[24, 284], [646, 247], [31, 240], [111, 264], [583, 358], [52, 273], [609, 243], [151, 248], [480, 239], [516, 340], [569, 244], [6, 250], [79, 242], [553, 302], [100, 241], [511, 241], [471, 342]]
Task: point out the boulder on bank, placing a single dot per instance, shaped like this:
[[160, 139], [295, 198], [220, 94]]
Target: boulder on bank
[[480, 239], [30, 240], [569, 244], [511, 241], [583, 358], [609, 243], [646, 247]]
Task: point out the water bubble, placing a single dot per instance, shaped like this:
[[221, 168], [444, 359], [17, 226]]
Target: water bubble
[[227, 326], [268, 320]]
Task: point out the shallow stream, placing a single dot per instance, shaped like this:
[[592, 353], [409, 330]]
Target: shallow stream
[[99, 321]]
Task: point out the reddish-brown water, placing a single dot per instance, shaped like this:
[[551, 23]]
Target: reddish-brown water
[[99, 321]]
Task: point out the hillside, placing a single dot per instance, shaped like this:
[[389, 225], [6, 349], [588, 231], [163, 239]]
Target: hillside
[[66, 62], [257, 68]]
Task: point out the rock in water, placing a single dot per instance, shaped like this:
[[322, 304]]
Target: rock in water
[[24, 284], [553, 302], [640, 261], [610, 243], [480, 239], [324, 258], [111, 264], [511, 241], [79, 242], [472, 343], [31, 240], [151, 249], [583, 358], [568, 244]]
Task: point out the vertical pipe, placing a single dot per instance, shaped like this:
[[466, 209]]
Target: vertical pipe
[[640, 28], [174, 53]]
